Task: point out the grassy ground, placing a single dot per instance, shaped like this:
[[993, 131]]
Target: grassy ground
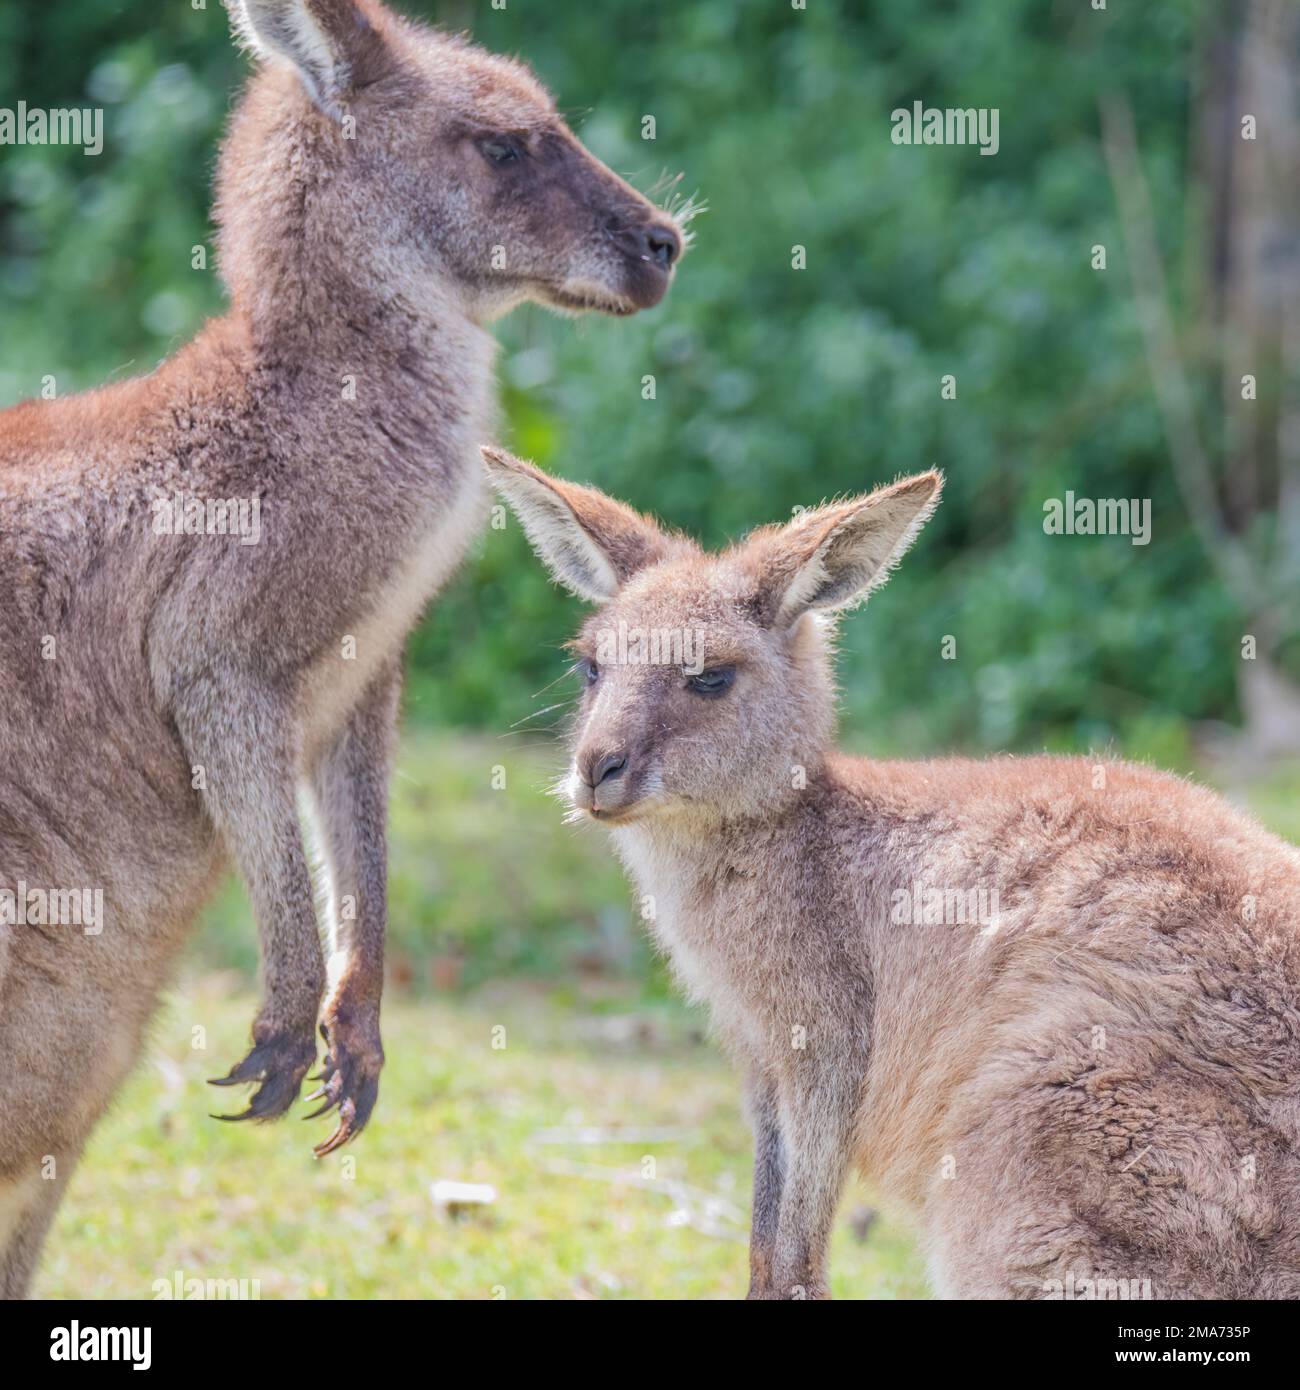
[[657, 1208], [658, 1214]]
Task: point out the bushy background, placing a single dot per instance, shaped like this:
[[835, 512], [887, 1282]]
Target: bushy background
[[774, 387]]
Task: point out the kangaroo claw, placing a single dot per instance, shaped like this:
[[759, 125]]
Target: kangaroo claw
[[346, 1129], [349, 1080], [278, 1063]]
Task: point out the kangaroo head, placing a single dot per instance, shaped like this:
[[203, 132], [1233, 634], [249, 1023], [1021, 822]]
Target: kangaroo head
[[422, 163], [707, 681]]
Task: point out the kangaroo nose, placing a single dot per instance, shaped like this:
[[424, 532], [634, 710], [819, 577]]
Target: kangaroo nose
[[607, 769], [662, 244]]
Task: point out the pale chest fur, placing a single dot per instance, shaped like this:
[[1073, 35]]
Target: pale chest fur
[[713, 937], [429, 556]]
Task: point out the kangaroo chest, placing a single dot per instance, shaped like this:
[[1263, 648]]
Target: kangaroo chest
[[429, 554], [726, 935]]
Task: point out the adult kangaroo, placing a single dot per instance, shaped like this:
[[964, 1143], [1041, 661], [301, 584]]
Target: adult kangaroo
[[1050, 1005], [173, 682]]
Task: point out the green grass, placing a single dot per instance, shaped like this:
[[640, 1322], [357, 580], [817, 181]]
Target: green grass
[[541, 940], [164, 1188]]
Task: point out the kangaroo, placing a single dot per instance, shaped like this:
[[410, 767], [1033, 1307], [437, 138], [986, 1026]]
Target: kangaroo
[[175, 683], [1049, 1006]]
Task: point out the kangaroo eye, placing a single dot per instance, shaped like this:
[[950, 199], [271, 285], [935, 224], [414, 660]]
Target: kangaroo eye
[[712, 683], [590, 671], [499, 151]]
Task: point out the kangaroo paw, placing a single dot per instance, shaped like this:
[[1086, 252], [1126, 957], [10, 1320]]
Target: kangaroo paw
[[349, 1078], [279, 1063]]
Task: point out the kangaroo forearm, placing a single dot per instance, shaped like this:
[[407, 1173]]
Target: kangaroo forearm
[[351, 793], [243, 767], [293, 963], [358, 852]]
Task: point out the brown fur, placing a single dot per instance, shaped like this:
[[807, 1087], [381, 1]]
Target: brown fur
[[363, 227], [1098, 1082]]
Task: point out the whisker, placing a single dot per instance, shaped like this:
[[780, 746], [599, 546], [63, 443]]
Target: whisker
[[570, 670], [537, 714]]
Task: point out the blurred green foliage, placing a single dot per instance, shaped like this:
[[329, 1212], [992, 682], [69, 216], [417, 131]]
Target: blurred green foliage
[[774, 387]]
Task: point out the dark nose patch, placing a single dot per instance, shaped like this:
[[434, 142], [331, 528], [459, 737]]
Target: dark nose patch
[[606, 769], [662, 243]]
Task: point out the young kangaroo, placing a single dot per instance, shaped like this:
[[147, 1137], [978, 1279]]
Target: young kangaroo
[[1050, 1006], [174, 684]]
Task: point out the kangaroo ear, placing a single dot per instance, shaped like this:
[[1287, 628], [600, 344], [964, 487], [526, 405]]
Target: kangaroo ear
[[332, 43], [832, 557], [589, 542]]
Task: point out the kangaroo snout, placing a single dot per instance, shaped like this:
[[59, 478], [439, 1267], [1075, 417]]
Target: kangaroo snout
[[602, 781], [652, 248]]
